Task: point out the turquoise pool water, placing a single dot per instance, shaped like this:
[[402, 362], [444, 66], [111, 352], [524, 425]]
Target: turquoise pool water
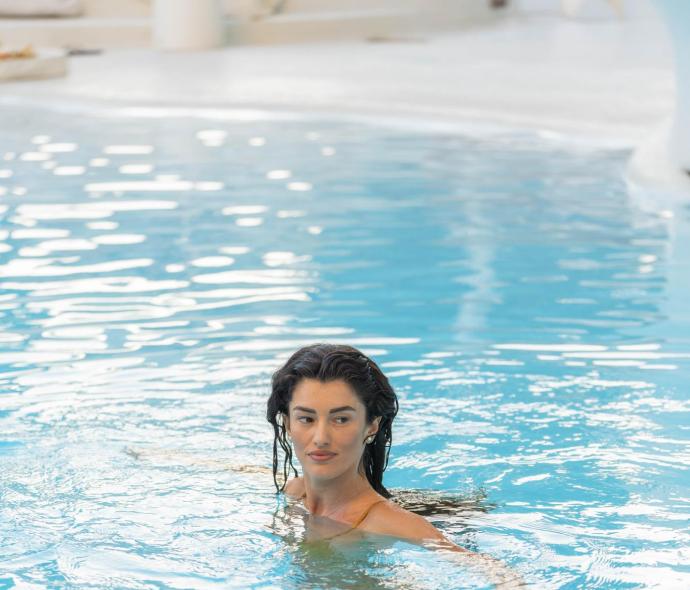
[[156, 267]]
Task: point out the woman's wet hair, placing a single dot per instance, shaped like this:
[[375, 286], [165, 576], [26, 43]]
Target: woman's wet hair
[[331, 362]]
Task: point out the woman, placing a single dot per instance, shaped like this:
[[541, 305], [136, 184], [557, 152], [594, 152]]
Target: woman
[[335, 408]]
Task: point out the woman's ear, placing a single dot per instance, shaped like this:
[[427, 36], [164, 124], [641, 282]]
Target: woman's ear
[[374, 428], [286, 422]]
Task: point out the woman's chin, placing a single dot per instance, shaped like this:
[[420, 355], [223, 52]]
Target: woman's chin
[[321, 473]]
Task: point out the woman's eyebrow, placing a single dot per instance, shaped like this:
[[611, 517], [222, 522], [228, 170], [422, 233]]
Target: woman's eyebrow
[[342, 409], [333, 411]]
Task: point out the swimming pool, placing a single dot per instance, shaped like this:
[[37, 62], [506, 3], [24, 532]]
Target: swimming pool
[[156, 267]]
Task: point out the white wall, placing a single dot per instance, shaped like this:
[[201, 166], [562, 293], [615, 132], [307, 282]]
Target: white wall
[[117, 8], [465, 9]]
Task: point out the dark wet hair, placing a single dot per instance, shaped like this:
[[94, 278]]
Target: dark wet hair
[[331, 362]]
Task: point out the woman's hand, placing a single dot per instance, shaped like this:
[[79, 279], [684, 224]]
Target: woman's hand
[[494, 570]]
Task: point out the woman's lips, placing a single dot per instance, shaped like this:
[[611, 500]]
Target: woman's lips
[[321, 457]]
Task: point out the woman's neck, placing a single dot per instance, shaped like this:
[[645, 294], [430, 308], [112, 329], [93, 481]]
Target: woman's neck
[[333, 497]]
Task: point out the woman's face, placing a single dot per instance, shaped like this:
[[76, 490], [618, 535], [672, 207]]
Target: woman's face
[[328, 427]]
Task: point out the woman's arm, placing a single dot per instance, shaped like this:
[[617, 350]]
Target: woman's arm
[[182, 457], [395, 521], [494, 570]]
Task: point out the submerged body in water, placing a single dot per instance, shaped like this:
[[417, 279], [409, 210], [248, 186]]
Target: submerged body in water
[[327, 549], [332, 408]]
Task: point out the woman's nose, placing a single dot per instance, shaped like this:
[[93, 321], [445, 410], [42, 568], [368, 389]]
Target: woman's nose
[[322, 435]]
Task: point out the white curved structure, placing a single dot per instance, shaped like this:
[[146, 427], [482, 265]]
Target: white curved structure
[[572, 7], [188, 24], [676, 13]]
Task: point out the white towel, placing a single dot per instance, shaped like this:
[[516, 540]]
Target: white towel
[[40, 7]]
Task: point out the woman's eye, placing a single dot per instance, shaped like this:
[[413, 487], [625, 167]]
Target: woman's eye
[[309, 419]]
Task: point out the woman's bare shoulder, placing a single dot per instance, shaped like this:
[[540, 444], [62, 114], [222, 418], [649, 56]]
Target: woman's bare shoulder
[[387, 518], [295, 488]]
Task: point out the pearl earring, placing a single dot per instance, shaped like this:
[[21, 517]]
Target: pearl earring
[[370, 439]]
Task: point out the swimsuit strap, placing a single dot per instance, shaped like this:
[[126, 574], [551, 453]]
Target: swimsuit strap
[[357, 523], [360, 520]]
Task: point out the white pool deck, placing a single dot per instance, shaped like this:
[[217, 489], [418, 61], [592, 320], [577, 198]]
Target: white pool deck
[[607, 79]]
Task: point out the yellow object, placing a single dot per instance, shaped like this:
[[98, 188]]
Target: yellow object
[[26, 52]]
